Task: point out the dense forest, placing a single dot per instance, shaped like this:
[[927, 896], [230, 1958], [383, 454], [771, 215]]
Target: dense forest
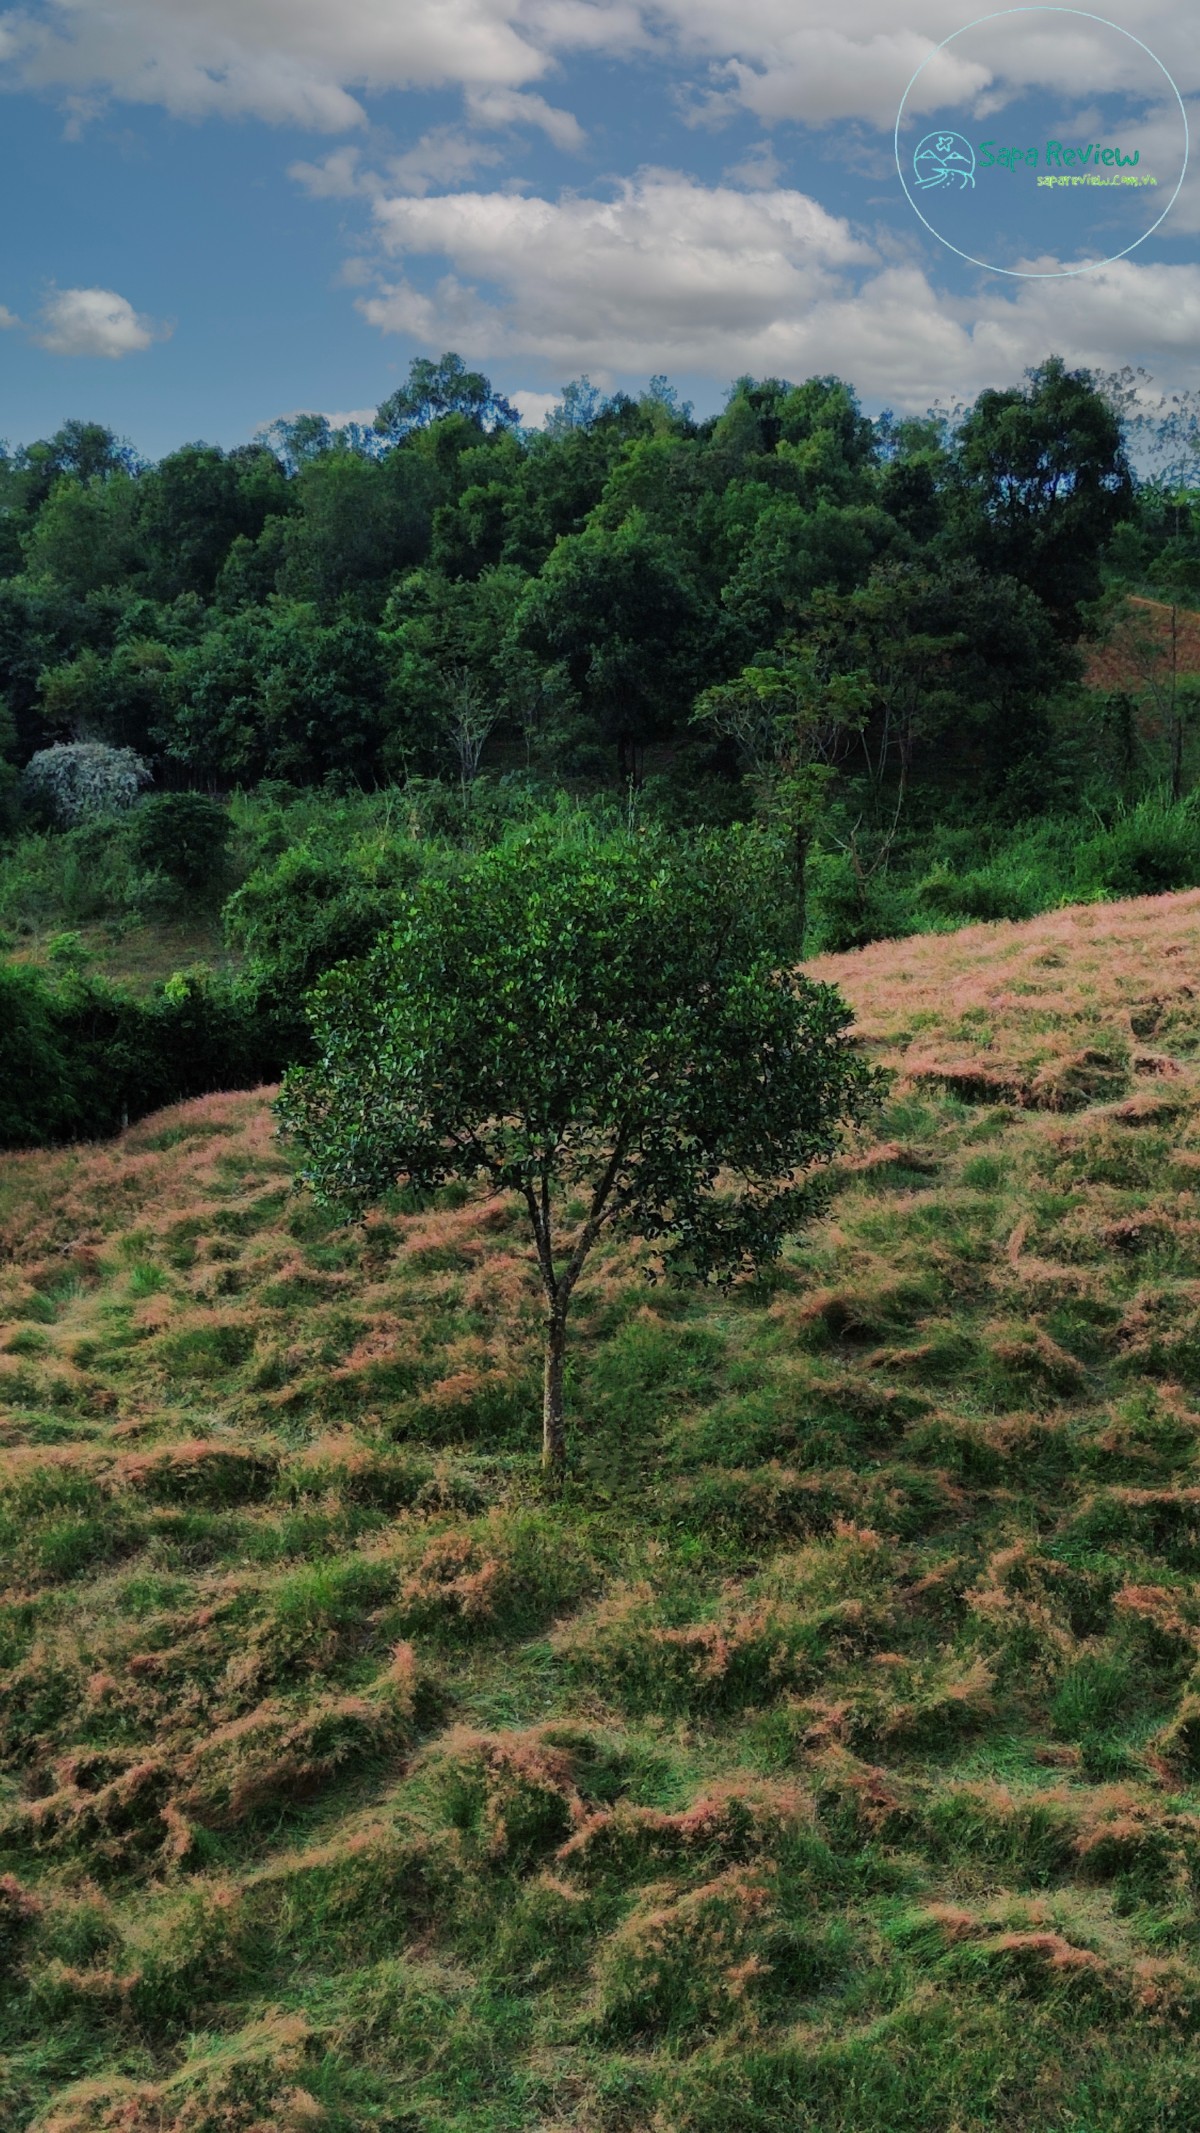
[[280, 677]]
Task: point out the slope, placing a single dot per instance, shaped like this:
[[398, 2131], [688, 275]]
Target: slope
[[827, 1757]]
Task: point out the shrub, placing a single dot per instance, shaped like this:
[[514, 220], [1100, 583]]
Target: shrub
[[313, 908], [982, 893], [852, 908], [1146, 850], [36, 1097], [185, 836], [78, 780], [79, 1059]]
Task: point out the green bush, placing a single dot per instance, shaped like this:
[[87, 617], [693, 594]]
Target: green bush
[[79, 1059], [184, 836], [983, 893], [849, 908], [315, 907], [72, 877], [1146, 850], [36, 1097]]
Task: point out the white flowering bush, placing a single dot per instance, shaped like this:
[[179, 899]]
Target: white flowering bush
[[75, 781]]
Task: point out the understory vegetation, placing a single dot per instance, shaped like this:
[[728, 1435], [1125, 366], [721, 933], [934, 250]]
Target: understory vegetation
[[826, 1754]]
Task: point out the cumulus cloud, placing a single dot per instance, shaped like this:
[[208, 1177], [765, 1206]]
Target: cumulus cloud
[[338, 176], [309, 62], [673, 276], [8, 319], [299, 61], [338, 418], [444, 155], [94, 322], [688, 269], [843, 61]]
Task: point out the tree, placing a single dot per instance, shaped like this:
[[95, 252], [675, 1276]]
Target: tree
[[788, 719], [84, 537], [469, 716], [86, 450], [185, 836], [630, 630], [612, 1021], [356, 523], [445, 640], [277, 692], [954, 657], [1145, 635], [194, 504], [79, 780], [1045, 480], [446, 387], [120, 699], [791, 552]]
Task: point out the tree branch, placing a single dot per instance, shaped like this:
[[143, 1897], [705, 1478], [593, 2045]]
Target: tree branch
[[541, 1235], [591, 1228]]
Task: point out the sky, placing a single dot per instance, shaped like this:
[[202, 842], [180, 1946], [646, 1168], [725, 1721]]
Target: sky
[[224, 211]]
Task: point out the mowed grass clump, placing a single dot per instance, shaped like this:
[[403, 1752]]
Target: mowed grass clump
[[825, 1756]]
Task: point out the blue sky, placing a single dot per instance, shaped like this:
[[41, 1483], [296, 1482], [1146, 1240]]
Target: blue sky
[[225, 210]]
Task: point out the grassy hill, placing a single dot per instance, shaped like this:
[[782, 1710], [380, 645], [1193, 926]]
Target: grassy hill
[[826, 1757]]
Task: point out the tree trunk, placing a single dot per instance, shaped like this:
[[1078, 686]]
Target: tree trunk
[[1176, 718], [801, 839], [554, 1428]]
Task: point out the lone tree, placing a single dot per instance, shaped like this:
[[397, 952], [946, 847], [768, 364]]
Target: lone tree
[[606, 1020]]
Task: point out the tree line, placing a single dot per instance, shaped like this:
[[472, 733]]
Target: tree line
[[779, 591]]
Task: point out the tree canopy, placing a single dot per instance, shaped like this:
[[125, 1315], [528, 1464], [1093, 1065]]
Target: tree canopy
[[603, 1021]]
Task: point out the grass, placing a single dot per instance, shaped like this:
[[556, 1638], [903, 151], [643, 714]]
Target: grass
[[825, 1757]]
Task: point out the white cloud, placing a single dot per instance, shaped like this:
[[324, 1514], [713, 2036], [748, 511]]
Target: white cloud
[[820, 76], [309, 62], [94, 322], [445, 155], [787, 60], [533, 408], [338, 176], [343, 418], [299, 61], [519, 107], [677, 277], [686, 270], [338, 419], [8, 319], [759, 167]]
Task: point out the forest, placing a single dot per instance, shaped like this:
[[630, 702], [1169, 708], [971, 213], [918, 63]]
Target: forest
[[944, 663]]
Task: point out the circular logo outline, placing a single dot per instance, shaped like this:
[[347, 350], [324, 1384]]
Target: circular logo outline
[[1090, 266]]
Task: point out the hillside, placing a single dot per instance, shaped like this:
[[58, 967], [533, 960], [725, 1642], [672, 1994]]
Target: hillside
[[827, 1757], [1111, 666]]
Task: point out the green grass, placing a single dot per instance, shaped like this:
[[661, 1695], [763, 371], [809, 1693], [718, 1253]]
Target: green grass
[[825, 1758]]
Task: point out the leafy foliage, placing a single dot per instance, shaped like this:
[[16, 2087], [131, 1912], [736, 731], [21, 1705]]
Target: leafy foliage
[[609, 1021], [185, 836], [77, 780]]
